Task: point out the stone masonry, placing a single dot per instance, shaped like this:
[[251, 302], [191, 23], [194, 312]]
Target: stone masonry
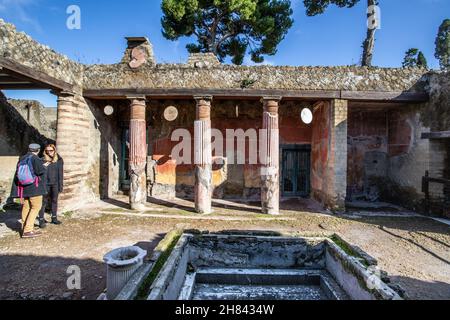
[[84, 133], [339, 111]]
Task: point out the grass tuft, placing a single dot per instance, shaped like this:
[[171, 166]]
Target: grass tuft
[[165, 247]]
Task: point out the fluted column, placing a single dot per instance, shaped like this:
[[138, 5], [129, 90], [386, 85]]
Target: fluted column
[[138, 153], [202, 155], [270, 171]]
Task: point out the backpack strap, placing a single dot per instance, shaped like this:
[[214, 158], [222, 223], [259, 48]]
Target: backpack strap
[[20, 193]]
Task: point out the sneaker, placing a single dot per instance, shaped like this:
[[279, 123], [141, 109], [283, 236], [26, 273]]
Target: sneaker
[[56, 221], [42, 223], [32, 234]]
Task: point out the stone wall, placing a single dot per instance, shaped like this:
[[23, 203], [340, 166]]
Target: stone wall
[[406, 169], [367, 151], [90, 142], [230, 180], [177, 76], [21, 48], [202, 71], [38, 116], [78, 142], [16, 134], [387, 156], [329, 154]]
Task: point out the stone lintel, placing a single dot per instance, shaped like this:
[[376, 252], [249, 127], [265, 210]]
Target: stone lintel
[[204, 97], [271, 98]]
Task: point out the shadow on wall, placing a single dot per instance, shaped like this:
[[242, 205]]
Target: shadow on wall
[[109, 151], [16, 134]]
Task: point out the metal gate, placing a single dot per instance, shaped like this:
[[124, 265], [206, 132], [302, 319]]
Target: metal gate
[[296, 171]]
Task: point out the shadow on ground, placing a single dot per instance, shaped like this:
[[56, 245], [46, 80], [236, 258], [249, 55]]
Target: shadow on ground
[[10, 218], [27, 277], [410, 224]]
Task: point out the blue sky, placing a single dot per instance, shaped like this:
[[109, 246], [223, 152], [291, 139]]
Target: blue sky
[[333, 38]]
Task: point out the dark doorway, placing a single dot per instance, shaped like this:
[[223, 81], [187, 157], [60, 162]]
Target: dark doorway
[[295, 170], [125, 154]]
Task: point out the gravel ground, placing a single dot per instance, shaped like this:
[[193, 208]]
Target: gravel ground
[[414, 251]]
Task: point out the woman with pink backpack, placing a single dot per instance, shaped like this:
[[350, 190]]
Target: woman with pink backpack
[[29, 187]]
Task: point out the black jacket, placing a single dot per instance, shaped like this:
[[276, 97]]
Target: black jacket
[[31, 190], [54, 175]]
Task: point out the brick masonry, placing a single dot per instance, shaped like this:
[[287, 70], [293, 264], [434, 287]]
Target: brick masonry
[[329, 153]]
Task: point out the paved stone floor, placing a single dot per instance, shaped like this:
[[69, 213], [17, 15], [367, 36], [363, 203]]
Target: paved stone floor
[[413, 250]]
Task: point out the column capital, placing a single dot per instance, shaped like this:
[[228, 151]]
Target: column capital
[[64, 96], [203, 107], [271, 104], [138, 98], [204, 97], [271, 98]]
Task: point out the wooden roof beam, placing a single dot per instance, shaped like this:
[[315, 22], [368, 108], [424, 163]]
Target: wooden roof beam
[[436, 135], [40, 79]]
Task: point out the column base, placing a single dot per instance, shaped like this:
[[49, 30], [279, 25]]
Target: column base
[[203, 196], [204, 211], [273, 212], [137, 206]]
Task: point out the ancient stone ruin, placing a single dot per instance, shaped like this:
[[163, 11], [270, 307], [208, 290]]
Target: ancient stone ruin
[[376, 132]]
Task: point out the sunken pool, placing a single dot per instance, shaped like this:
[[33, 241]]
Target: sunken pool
[[237, 267]]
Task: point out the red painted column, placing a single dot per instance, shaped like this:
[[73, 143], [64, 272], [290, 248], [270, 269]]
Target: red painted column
[[203, 155], [270, 171], [138, 153]]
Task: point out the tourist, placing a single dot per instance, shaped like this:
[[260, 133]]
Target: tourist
[[29, 187], [54, 183]]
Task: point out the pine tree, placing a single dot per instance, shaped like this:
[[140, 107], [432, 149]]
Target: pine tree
[[442, 42], [414, 58], [229, 27]]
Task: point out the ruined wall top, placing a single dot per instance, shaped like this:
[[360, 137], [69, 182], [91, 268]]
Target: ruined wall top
[[138, 69], [203, 60], [20, 47], [221, 76]]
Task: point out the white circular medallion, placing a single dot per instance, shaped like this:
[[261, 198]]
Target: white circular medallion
[[171, 113], [109, 110], [307, 116]]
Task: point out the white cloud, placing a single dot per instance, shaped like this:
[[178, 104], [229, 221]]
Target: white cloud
[[19, 9]]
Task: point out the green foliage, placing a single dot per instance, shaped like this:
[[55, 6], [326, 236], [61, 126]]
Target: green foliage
[[414, 58], [348, 249], [315, 7], [247, 83], [228, 27], [442, 52], [421, 60], [68, 214]]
